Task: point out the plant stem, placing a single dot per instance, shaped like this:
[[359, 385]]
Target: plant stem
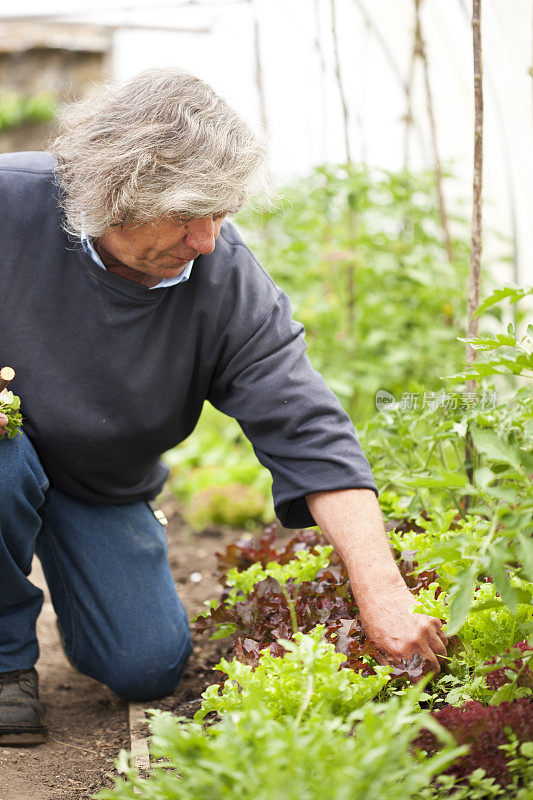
[[433, 446], [292, 609], [443, 455], [307, 698]]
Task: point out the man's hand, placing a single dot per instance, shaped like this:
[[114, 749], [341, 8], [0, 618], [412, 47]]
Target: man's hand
[[3, 418], [351, 520], [397, 632]]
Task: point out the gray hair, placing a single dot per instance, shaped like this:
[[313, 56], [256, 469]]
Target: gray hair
[[161, 145]]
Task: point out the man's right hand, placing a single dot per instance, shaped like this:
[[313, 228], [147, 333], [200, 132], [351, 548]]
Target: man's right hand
[[3, 418]]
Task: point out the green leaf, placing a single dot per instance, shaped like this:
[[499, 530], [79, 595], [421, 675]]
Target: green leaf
[[526, 459], [224, 629], [441, 480], [507, 494], [483, 476], [494, 448], [514, 293], [526, 750], [505, 693], [498, 570], [525, 547], [462, 601], [490, 342]]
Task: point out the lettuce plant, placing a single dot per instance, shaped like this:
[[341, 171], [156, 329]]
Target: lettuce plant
[[263, 616], [255, 756], [304, 567], [486, 731], [308, 681], [490, 627], [10, 405]]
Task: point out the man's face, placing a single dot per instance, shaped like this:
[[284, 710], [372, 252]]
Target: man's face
[[147, 253]]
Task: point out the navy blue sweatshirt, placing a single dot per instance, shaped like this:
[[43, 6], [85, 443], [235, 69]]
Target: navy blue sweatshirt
[[112, 374]]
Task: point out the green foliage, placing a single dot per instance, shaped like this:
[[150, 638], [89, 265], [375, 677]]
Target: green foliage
[[463, 552], [520, 765], [15, 108], [359, 252], [489, 627], [477, 787], [513, 293], [257, 759], [218, 462], [516, 358], [10, 405], [234, 504], [254, 754], [304, 567], [495, 540], [305, 683]]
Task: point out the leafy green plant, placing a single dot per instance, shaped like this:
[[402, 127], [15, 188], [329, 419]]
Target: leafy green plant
[[476, 786], [510, 674], [495, 540], [217, 462], [490, 627], [255, 756], [304, 567], [307, 681], [359, 252], [10, 405], [515, 356]]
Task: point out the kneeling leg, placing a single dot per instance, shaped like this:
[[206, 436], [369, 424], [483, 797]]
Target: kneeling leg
[[113, 592]]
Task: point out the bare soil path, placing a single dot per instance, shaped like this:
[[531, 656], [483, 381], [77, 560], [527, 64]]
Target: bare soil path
[[87, 727], [88, 724]]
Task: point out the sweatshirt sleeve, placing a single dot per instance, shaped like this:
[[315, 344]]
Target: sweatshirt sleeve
[[296, 424]]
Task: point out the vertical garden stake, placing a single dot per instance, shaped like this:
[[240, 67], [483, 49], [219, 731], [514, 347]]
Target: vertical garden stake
[[323, 89], [350, 266], [420, 51], [476, 244], [259, 69], [476, 241], [338, 76]]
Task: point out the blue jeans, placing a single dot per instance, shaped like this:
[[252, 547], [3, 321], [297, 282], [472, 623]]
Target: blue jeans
[[109, 579]]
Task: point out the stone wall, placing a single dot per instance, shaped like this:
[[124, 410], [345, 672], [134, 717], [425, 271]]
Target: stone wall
[[61, 59]]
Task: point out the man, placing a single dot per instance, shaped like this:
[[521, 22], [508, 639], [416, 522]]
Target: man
[[128, 300]]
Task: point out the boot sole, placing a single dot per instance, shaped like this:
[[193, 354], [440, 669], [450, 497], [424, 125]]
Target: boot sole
[[21, 738]]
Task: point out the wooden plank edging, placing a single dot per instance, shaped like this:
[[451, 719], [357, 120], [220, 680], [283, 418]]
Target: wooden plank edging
[[138, 740]]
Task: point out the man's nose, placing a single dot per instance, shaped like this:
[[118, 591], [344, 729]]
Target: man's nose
[[201, 235]]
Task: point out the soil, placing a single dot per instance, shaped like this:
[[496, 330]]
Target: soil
[[87, 723]]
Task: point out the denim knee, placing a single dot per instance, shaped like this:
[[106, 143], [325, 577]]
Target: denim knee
[[154, 673]]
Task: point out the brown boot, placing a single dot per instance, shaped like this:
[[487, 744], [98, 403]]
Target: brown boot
[[21, 712]]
